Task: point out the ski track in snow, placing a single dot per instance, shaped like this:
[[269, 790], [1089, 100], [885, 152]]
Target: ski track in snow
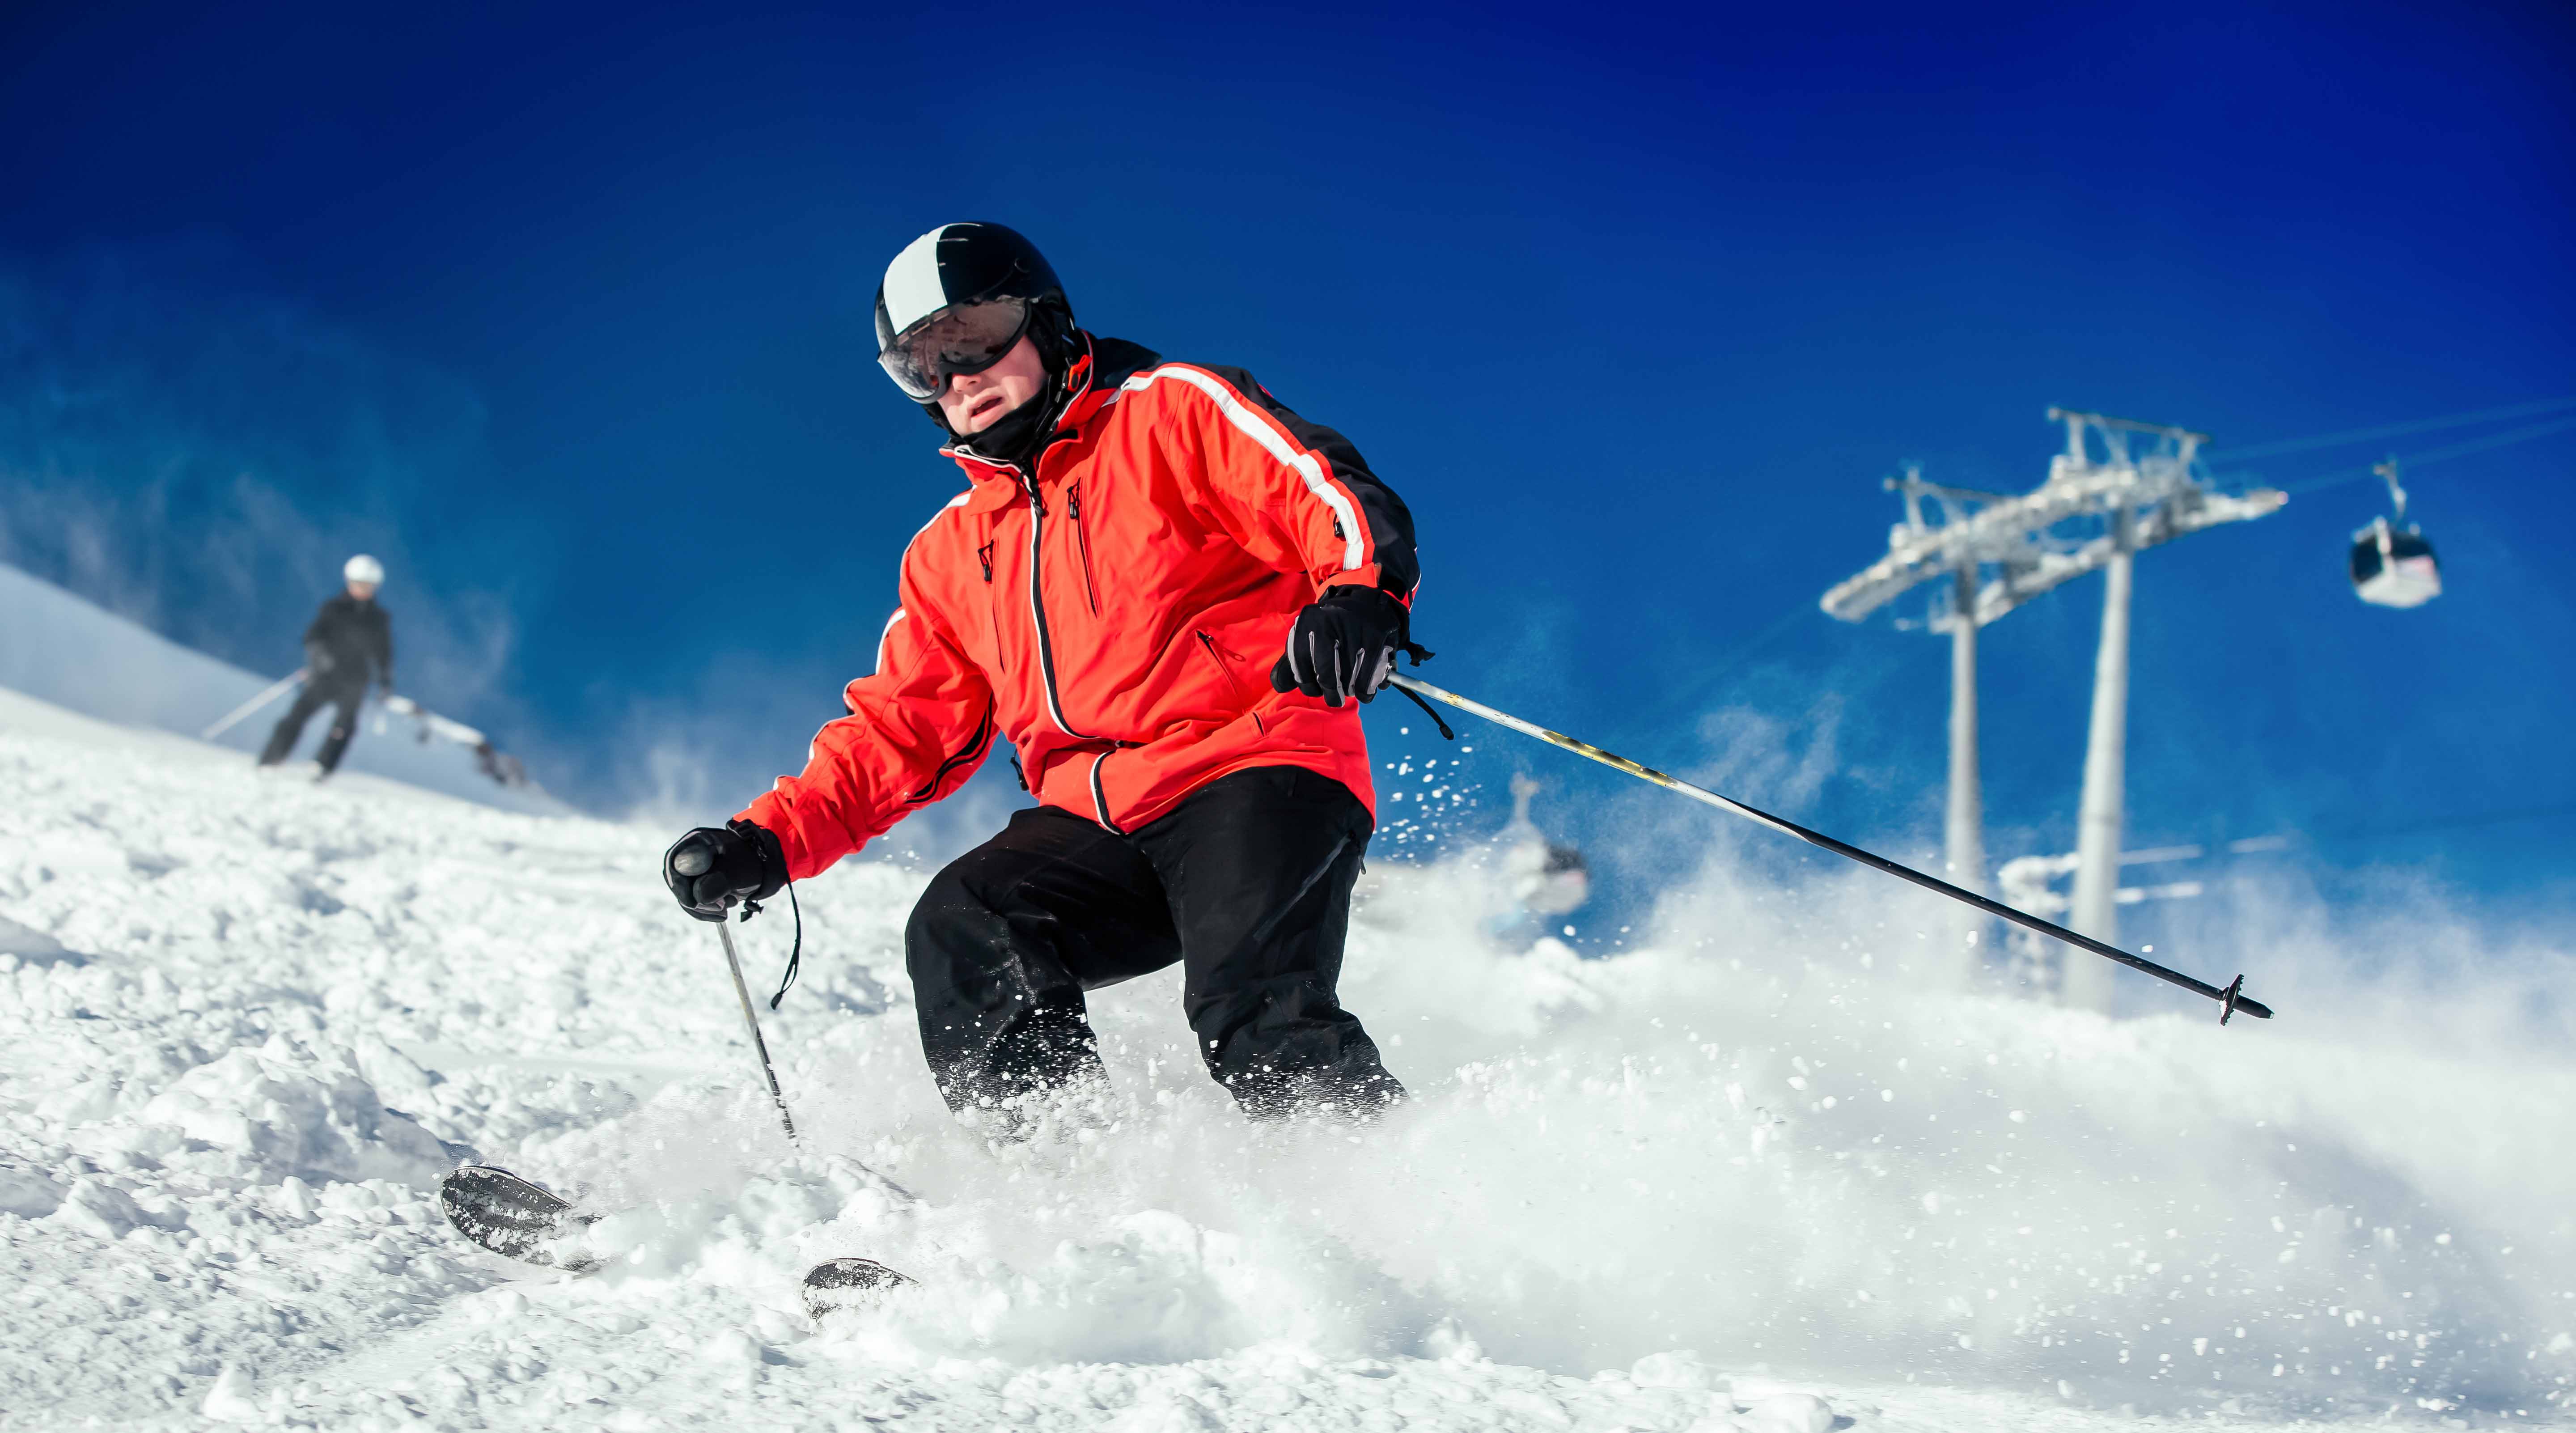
[[1731, 1181]]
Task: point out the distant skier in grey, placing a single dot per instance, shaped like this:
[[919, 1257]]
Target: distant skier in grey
[[349, 646]]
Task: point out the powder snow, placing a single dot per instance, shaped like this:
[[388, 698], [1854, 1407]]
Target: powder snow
[[1742, 1176]]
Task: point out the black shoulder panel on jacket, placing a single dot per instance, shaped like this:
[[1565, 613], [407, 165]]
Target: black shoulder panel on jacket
[[1390, 521], [1118, 360]]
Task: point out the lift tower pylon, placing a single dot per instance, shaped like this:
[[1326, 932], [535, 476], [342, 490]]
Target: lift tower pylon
[[2089, 515], [1963, 845]]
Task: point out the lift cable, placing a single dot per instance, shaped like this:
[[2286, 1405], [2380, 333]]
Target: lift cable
[[2440, 455], [1723, 673], [2395, 430]]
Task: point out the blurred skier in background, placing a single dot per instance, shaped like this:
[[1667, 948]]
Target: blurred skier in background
[[349, 647], [1140, 544], [1545, 880]]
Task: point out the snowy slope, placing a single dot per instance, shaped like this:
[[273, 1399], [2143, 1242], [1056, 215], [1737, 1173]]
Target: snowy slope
[[77, 655], [1740, 1179]]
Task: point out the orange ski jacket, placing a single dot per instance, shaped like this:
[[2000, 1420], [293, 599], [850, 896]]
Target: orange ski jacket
[[1114, 614]]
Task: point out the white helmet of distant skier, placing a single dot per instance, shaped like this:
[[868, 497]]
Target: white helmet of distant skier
[[363, 568]]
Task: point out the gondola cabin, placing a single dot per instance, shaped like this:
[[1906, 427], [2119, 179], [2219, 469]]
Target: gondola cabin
[[2393, 566]]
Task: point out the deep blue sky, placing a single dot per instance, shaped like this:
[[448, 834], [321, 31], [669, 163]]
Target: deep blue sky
[[570, 311]]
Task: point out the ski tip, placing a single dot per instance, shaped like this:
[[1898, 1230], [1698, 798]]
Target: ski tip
[[837, 1285], [475, 1186], [506, 1215]]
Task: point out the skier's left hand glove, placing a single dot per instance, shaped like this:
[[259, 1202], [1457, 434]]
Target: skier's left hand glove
[[1343, 645], [714, 867]]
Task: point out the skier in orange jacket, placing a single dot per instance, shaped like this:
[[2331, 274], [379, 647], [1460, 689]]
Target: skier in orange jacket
[[1169, 593]]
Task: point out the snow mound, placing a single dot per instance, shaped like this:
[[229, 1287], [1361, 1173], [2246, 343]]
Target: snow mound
[[1746, 1177]]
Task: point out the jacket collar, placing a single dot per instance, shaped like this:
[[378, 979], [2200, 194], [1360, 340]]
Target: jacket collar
[[1092, 383]]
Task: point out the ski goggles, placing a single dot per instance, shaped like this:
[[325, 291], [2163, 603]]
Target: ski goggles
[[962, 338]]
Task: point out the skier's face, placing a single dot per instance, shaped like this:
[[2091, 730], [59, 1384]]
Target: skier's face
[[363, 591], [975, 400]]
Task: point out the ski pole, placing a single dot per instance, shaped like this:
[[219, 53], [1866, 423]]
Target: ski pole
[[267, 695], [2230, 1000], [751, 1022]]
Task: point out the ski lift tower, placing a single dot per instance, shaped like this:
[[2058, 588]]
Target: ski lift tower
[[2089, 515], [1949, 550]]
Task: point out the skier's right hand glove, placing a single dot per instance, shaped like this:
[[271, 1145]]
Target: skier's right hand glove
[[714, 868]]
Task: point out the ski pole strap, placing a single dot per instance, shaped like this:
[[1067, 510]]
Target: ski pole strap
[[1416, 698], [795, 952], [1419, 655]]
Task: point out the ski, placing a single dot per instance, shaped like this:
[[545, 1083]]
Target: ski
[[836, 1285], [515, 1219], [511, 1217]]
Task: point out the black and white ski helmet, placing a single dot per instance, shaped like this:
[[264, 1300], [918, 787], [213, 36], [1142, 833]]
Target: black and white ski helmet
[[963, 264]]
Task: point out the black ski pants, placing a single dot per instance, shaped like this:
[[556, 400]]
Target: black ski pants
[[346, 696], [1247, 883]]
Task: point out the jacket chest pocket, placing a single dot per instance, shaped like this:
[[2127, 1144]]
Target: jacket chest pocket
[[1082, 526], [1002, 585]]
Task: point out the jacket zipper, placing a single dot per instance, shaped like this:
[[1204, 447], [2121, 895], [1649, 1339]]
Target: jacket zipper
[[973, 746], [1037, 609], [1082, 542], [992, 605], [1231, 680]]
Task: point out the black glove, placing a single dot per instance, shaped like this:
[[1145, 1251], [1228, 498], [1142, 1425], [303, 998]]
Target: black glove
[[318, 659], [714, 867], [1343, 645]]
